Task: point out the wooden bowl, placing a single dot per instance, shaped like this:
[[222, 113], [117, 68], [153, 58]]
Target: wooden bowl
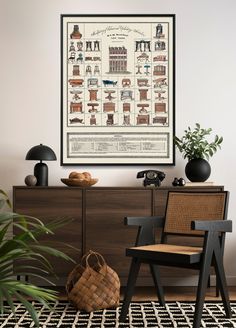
[[79, 182]]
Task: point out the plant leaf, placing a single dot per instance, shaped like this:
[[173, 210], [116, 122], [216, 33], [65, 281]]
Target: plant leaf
[[194, 143], [29, 308], [8, 298], [3, 231], [51, 251]]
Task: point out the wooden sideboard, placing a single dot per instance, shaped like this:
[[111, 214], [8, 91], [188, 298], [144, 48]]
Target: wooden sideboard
[[98, 224]]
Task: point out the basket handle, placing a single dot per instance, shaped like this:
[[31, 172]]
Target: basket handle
[[83, 264], [100, 259]]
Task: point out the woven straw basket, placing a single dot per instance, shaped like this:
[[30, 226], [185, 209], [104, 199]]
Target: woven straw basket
[[93, 287]]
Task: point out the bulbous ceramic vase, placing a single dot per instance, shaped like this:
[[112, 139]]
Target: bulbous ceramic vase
[[197, 170]]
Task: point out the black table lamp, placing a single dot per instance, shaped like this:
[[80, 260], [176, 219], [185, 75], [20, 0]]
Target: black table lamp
[[41, 152]]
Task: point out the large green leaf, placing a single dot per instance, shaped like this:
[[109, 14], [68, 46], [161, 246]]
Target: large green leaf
[[20, 291], [5, 198], [51, 251], [3, 231], [29, 308], [8, 298]]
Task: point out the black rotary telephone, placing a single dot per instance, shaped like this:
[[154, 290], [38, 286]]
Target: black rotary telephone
[[151, 177]]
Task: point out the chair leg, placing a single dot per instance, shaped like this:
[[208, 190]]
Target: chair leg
[[209, 282], [157, 281], [221, 280], [133, 274], [217, 288], [202, 283]]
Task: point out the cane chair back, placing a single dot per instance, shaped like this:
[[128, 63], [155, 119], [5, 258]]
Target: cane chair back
[[183, 208]]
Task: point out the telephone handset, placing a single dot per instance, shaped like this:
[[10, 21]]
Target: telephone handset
[[151, 177]]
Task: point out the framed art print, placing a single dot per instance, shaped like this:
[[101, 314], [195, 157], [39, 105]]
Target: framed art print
[[117, 89]]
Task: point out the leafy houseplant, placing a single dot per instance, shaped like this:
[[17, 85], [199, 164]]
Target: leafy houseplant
[[24, 246], [197, 149]]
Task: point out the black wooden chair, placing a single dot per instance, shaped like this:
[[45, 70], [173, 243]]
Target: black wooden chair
[[192, 214]]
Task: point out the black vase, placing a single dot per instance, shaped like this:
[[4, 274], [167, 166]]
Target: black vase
[[197, 170]]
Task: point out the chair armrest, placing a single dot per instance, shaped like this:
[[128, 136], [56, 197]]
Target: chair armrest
[[155, 221], [212, 225]]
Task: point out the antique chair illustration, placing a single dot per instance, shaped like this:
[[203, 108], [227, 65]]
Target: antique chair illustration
[[192, 214]]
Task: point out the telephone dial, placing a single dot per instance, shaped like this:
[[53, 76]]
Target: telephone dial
[[151, 177]]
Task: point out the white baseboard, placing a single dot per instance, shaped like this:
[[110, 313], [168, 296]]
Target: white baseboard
[[231, 280], [185, 281], [193, 281]]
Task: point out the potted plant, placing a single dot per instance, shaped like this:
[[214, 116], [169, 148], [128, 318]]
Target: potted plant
[[197, 149], [15, 251]]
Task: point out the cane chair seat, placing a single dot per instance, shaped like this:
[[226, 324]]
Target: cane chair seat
[[165, 252]]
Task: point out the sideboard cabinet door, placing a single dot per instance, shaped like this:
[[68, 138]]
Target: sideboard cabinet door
[[52, 203], [105, 230]]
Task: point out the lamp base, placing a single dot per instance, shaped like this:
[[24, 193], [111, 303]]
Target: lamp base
[[41, 173]]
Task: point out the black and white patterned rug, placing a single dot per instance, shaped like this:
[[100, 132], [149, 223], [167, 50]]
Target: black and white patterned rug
[[141, 314]]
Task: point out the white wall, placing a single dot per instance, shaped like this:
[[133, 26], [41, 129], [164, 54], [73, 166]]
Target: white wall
[[30, 86]]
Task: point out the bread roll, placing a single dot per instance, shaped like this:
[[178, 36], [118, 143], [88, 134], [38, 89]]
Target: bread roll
[[73, 175], [87, 175], [76, 175], [80, 176]]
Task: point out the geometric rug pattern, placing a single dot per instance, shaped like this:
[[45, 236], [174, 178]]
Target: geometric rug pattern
[[141, 314]]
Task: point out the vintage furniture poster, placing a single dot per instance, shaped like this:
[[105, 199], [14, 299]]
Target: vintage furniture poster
[[117, 89]]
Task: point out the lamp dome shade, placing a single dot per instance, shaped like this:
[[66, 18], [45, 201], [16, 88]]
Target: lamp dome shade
[[41, 152]]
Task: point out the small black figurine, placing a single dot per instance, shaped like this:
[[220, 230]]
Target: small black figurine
[[181, 182], [178, 182], [151, 177], [175, 182]]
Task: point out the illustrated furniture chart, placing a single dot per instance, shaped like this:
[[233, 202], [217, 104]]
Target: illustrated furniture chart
[[114, 65]]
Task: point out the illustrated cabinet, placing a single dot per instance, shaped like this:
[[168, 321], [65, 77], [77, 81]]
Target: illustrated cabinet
[[98, 220]]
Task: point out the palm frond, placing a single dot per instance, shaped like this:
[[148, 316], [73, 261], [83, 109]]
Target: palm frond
[[51, 251], [29, 308], [23, 254], [3, 231]]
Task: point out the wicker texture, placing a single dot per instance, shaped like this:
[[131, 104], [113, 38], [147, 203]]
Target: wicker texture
[[165, 248], [93, 287], [183, 208]]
